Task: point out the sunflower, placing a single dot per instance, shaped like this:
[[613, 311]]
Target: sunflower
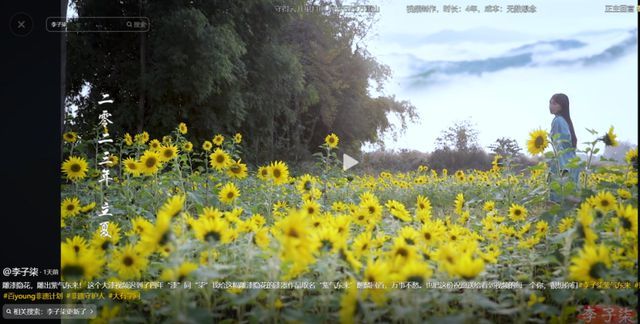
[[182, 128], [74, 266], [491, 254], [489, 206], [158, 237], [228, 193], [632, 158], [368, 196], [263, 173], [624, 194], [70, 137], [75, 168], [497, 163], [140, 226], [421, 180], [398, 210], [447, 257], [349, 303], [237, 138], [172, 206], [534, 299], [524, 230], [541, 228], [128, 141], [294, 226], [373, 208], [180, 273], [141, 138], [165, 250], [431, 232], [423, 203], [360, 216], [377, 272], [459, 203], [237, 170], [538, 141], [410, 235], [341, 223], [517, 212], [401, 253], [150, 162], [219, 159], [212, 230], [208, 256], [332, 140], [78, 243], [187, 146], [590, 264], [605, 202], [362, 244], [70, 207], [113, 160], [88, 207], [155, 145], [102, 243], [131, 166], [456, 233], [218, 140], [328, 240], [609, 138], [211, 212], [305, 183], [565, 224], [628, 216], [348, 256], [128, 262], [415, 271], [310, 208], [279, 172], [261, 238], [585, 213], [468, 267], [207, 146], [295, 239], [167, 152]]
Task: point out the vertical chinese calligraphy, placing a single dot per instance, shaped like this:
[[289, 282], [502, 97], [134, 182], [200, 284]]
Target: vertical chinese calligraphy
[[105, 175]]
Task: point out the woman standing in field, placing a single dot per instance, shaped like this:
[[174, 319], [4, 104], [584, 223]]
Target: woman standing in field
[[565, 140]]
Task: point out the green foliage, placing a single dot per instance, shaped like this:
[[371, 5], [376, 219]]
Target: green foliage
[[461, 136], [288, 79], [507, 147]]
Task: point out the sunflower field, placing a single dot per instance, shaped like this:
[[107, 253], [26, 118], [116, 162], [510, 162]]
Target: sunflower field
[[167, 230]]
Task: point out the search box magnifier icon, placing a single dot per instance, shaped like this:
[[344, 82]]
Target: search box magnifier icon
[[129, 23]]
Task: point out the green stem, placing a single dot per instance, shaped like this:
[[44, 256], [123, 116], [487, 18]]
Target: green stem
[[587, 170]]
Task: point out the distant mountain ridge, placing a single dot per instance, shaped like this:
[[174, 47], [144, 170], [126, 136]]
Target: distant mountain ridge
[[538, 53]]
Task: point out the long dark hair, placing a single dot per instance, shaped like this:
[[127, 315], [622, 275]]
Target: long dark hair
[[563, 101]]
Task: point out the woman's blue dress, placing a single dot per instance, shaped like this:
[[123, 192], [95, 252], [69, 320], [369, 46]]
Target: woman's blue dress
[[560, 126]]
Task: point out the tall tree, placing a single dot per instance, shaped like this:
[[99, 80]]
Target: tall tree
[[461, 137], [506, 147], [282, 79]]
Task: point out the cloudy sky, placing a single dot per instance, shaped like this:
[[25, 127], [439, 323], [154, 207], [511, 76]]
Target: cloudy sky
[[499, 70]]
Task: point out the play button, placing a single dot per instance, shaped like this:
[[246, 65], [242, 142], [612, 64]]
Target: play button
[[348, 162]]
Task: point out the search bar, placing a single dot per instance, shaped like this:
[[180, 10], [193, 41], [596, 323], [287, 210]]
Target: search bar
[[97, 25]]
